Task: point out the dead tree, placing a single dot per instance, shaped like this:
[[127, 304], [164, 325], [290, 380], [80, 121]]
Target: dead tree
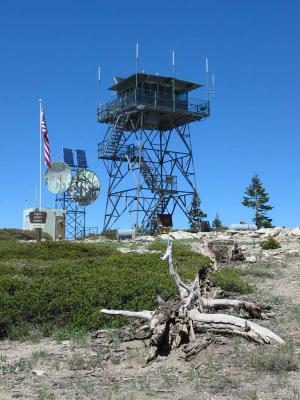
[[179, 322]]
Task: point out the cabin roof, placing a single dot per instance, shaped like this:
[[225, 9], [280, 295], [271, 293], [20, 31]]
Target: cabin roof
[[180, 85]]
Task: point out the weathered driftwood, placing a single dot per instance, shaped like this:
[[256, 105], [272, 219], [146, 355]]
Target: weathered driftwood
[[234, 325], [147, 315], [176, 322]]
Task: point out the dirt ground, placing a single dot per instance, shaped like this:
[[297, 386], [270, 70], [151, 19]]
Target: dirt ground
[[107, 368]]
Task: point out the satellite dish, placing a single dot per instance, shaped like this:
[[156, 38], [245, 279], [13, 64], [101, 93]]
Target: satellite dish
[[85, 187], [58, 178]]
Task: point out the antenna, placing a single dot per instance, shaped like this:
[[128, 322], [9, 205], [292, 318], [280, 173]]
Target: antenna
[[207, 78], [212, 92], [136, 67], [98, 87], [173, 74]]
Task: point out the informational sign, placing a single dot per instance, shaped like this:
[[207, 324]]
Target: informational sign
[[38, 218], [164, 220], [39, 226]]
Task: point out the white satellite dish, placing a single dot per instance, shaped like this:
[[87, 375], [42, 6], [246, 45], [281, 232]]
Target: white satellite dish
[[58, 178]]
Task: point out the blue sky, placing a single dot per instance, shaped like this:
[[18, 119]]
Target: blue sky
[[51, 50]]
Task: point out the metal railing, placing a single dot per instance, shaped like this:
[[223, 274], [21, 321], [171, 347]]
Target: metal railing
[[152, 99], [87, 231]]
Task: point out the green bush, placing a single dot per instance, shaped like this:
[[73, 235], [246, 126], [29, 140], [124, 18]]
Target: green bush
[[281, 359], [228, 279], [178, 247], [20, 234], [49, 286], [110, 234], [52, 250], [270, 243]]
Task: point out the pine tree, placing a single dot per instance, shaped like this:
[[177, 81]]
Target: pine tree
[[257, 198], [217, 223], [196, 214]]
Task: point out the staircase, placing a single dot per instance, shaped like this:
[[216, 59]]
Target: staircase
[[108, 148], [112, 142], [149, 175]]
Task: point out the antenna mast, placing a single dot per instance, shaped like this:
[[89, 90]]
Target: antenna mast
[[207, 78], [136, 67], [173, 74], [213, 84], [98, 86]]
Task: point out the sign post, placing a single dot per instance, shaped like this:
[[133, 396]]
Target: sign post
[[38, 219]]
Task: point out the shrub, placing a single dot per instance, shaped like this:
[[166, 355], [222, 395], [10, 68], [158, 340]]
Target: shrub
[[228, 279], [179, 249], [49, 286], [53, 250], [20, 234], [281, 359], [110, 234], [270, 243]]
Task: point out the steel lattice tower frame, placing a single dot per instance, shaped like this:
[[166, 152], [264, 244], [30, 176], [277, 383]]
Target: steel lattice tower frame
[[75, 213], [147, 150]]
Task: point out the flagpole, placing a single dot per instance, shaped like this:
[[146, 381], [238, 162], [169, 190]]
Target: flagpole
[[40, 154]]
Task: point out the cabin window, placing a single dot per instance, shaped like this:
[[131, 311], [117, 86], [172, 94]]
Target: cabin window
[[147, 87], [153, 89], [168, 91]]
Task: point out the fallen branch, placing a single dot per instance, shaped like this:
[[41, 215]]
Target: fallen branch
[[175, 322], [234, 325], [221, 304], [147, 315]]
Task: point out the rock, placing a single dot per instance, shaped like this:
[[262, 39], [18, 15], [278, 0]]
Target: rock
[[269, 232], [295, 232], [251, 259], [38, 372], [226, 250], [293, 252], [180, 235]]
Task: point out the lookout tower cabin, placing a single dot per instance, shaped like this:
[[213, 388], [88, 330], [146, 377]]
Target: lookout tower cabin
[[164, 101]]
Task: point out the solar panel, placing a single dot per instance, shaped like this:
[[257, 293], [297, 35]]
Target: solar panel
[[81, 158], [68, 156]]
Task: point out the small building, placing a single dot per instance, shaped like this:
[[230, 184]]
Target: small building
[[55, 224]]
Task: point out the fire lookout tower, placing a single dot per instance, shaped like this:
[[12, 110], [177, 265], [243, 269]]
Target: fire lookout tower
[[147, 148]]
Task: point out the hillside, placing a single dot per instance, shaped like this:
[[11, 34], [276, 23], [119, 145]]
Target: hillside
[[57, 345]]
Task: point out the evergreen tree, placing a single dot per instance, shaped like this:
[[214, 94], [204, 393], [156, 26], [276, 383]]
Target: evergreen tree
[[196, 214], [257, 198], [217, 223]]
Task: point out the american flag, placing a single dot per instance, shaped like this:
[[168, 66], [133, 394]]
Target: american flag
[[44, 132]]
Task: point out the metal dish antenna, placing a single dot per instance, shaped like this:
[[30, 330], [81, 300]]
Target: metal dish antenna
[[85, 187], [58, 178]]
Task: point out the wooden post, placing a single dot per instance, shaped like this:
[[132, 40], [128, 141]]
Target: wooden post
[[38, 232]]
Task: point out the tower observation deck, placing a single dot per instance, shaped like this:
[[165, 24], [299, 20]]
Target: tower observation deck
[[147, 148]]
